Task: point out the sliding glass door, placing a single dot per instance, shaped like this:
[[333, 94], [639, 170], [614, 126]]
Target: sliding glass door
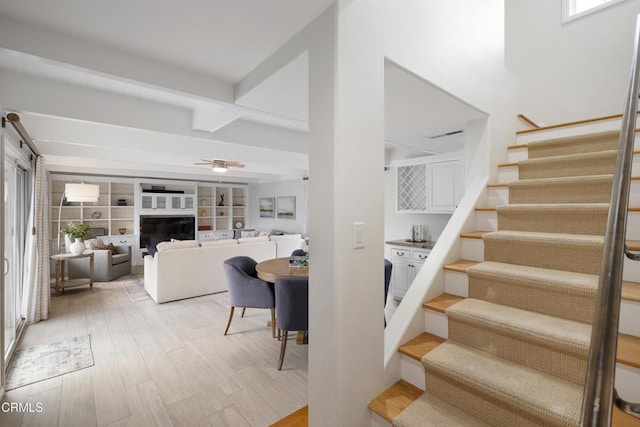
[[14, 237]]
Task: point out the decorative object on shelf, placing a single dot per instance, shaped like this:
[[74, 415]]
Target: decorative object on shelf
[[65, 202], [122, 202], [96, 215], [286, 207], [203, 213], [267, 205], [122, 230], [239, 224], [88, 193], [220, 213], [221, 202], [78, 232]]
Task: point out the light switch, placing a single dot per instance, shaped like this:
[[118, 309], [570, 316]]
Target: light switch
[[358, 235]]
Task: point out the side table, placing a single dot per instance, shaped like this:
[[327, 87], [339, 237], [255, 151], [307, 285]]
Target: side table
[[61, 283]]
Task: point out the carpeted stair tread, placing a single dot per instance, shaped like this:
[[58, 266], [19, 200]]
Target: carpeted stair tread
[[394, 400], [563, 294], [442, 302], [583, 164], [420, 345], [600, 141], [579, 189], [533, 395], [549, 331], [428, 410], [579, 253], [570, 218]]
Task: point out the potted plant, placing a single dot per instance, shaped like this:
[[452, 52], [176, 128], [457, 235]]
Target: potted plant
[[78, 232]]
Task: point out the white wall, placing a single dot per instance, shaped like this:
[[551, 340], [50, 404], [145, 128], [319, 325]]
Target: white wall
[[569, 71], [295, 188], [397, 225]]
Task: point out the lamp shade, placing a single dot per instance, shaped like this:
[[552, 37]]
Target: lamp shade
[[82, 192]]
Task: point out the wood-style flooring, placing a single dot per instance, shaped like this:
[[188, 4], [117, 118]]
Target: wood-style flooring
[[166, 365]]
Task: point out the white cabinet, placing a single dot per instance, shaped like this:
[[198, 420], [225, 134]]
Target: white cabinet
[[166, 202], [432, 184], [407, 262], [444, 182]]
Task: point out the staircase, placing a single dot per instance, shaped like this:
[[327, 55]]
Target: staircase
[[507, 343]]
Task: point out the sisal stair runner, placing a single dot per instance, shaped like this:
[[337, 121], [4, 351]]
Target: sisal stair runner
[[518, 346]]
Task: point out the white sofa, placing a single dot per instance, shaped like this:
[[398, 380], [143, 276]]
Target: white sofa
[[188, 269]]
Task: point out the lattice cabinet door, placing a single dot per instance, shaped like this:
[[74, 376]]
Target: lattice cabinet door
[[412, 188]]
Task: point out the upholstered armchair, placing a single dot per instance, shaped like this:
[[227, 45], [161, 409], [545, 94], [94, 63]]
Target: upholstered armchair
[[246, 290], [292, 308], [108, 264]]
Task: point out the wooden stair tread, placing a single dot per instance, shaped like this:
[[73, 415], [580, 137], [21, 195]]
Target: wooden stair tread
[[516, 146], [631, 291], [299, 418], [420, 345], [442, 302], [622, 419], [485, 209], [496, 185], [461, 266], [476, 234], [394, 400], [628, 350], [507, 165], [633, 245]]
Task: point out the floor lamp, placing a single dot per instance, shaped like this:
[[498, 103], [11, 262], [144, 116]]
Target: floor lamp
[[88, 193]]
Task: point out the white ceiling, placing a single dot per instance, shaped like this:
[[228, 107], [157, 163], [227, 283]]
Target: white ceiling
[[89, 116]]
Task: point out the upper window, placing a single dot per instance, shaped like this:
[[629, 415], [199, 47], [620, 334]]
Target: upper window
[[574, 9]]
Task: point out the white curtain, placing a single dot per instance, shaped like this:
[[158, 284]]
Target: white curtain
[[36, 293]]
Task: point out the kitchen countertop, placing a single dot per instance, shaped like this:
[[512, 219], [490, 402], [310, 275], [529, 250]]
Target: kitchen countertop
[[416, 245]]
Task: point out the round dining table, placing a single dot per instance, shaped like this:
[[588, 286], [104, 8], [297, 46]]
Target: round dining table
[[276, 268]]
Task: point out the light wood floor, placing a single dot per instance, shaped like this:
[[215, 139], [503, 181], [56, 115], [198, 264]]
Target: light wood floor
[[165, 365]]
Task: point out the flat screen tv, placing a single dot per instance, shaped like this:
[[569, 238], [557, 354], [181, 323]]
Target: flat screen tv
[[155, 229]]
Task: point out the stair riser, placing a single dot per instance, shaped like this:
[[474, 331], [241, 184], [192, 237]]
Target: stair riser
[[519, 349], [456, 283], [436, 323], [627, 380], [631, 270], [596, 191], [472, 249], [556, 256], [574, 221], [488, 221], [510, 173], [412, 371], [475, 402], [570, 131], [378, 421], [498, 196], [536, 299], [630, 318]]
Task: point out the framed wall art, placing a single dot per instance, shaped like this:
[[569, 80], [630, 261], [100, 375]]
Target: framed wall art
[[267, 207], [286, 207]]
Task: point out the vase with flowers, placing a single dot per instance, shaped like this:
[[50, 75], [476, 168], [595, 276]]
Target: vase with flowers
[[77, 232]]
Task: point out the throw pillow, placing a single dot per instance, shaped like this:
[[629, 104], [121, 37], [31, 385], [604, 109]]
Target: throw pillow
[[253, 239], [163, 246], [90, 244], [152, 249], [248, 233], [219, 243], [100, 245]]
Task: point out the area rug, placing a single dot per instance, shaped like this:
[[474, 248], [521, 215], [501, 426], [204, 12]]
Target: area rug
[[41, 362], [134, 285]]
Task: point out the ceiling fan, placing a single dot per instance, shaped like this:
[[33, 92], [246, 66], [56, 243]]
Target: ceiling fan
[[220, 165]]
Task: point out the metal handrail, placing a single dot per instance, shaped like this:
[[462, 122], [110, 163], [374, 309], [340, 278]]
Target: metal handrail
[[599, 394]]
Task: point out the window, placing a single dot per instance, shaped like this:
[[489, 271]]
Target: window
[[574, 9]]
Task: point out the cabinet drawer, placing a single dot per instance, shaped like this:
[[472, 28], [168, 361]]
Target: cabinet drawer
[[119, 240], [420, 255], [401, 253]]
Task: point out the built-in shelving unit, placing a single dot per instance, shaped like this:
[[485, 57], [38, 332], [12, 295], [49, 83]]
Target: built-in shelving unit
[[104, 217], [221, 207]]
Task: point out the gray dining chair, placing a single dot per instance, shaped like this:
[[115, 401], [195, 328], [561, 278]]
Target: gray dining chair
[[246, 290], [292, 308], [387, 278], [299, 252]]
